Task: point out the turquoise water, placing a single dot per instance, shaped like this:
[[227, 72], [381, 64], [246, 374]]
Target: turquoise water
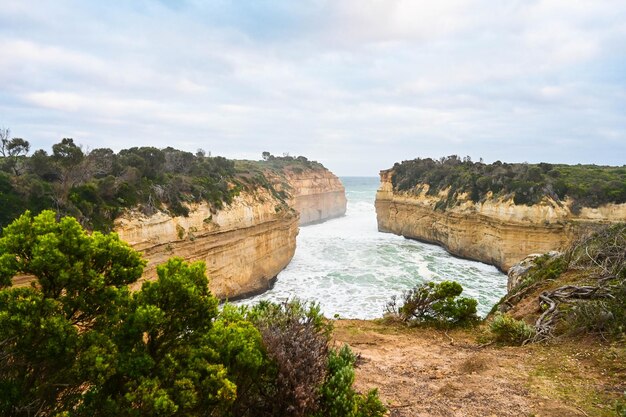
[[352, 270]]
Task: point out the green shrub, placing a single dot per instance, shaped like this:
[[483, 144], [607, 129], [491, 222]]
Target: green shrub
[[605, 316], [95, 187], [338, 398], [505, 329], [435, 303], [79, 343]]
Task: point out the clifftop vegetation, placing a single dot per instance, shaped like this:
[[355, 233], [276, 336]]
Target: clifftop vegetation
[[97, 186], [586, 185]]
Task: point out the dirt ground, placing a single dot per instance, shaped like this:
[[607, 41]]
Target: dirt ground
[[428, 372]]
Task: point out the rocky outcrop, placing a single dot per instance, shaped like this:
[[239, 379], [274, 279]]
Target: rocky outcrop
[[494, 231], [518, 272], [317, 194], [244, 245]]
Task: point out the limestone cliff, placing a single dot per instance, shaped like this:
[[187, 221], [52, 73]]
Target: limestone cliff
[[317, 194], [244, 245], [495, 231]]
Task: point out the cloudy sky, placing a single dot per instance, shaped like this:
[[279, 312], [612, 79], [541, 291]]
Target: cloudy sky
[[354, 84]]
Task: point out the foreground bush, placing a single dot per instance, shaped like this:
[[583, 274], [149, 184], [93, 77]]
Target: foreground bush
[[337, 396], [434, 303], [505, 329], [79, 343]]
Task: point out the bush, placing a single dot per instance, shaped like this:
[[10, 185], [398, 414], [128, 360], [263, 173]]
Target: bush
[[97, 186], [603, 317], [338, 398], [296, 339], [79, 343], [435, 303], [505, 329]]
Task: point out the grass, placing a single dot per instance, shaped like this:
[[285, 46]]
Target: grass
[[582, 374]]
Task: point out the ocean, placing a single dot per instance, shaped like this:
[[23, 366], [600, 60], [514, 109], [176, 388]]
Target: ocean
[[352, 270]]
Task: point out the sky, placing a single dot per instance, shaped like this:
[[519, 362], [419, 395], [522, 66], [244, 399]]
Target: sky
[[354, 84]]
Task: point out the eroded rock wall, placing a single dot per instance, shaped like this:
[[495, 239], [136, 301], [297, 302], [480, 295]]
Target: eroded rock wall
[[244, 245], [318, 195], [495, 231]]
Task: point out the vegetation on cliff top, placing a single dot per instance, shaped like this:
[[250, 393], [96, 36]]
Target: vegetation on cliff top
[[80, 343], [579, 292], [586, 185], [97, 186]]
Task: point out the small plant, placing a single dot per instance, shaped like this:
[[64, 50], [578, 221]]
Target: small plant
[[505, 329], [338, 398], [180, 232], [434, 303], [474, 364]]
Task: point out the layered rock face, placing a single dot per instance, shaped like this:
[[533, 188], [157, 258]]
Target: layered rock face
[[494, 231], [244, 245], [317, 195]]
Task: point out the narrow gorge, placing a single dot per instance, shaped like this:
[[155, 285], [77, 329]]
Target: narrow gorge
[[246, 243]]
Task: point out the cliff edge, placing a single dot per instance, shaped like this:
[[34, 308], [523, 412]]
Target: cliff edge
[[491, 228], [318, 195], [246, 243]]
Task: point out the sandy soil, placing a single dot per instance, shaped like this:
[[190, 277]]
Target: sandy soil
[[426, 372]]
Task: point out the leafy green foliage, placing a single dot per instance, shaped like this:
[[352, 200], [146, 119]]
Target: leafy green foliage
[[587, 185], [287, 161], [435, 303], [47, 332], [96, 187], [505, 329], [168, 360], [338, 397], [79, 343]]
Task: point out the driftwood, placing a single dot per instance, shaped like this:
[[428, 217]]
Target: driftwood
[[550, 301], [603, 257]]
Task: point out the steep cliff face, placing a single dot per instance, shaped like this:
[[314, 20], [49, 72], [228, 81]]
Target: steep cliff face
[[247, 243], [244, 245], [317, 194], [495, 231]]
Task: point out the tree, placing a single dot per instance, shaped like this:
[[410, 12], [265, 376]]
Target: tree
[[67, 153], [80, 344], [167, 363], [12, 150], [435, 303], [49, 331], [266, 155]]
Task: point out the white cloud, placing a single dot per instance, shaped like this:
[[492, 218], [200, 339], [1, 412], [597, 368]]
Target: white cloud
[[366, 82]]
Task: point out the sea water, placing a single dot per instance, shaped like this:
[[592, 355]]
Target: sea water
[[352, 270]]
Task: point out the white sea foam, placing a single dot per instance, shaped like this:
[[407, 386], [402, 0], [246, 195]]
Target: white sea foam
[[352, 270]]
